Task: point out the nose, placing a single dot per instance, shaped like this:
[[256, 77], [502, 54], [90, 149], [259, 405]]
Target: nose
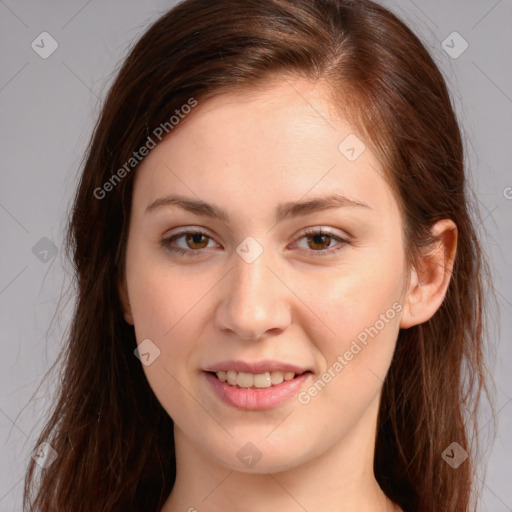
[[254, 301]]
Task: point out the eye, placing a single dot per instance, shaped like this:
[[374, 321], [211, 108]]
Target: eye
[[194, 241], [318, 240]]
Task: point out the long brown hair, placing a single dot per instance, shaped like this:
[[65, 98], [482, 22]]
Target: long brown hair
[[114, 440]]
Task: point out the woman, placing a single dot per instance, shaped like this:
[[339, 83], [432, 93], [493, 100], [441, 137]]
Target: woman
[[279, 284]]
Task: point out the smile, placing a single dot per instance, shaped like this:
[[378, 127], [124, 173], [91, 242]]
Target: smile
[[249, 395]]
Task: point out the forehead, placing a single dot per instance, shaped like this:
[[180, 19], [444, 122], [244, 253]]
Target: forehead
[[281, 117], [285, 139]]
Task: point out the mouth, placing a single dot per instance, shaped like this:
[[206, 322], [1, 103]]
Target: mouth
[[254, 392]]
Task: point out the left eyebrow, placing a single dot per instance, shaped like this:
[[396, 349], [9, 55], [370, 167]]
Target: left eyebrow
[[295, 209], [283, 211]]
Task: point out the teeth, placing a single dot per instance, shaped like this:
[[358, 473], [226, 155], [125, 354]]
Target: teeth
[[259, 380], [231, 377]]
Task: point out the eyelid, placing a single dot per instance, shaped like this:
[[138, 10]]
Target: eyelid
[[177, 232], [313, 230]]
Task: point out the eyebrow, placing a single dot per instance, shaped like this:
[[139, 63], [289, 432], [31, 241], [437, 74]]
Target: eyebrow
[[283, 211]]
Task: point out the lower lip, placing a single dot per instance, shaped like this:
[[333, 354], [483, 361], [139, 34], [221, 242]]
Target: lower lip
[[256, 399]]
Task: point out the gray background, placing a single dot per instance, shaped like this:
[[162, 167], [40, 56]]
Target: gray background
[[47, 110]]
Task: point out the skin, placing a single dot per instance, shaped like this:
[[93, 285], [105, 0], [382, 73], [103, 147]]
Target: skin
[[247, 152]]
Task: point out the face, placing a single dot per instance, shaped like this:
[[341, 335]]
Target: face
[[317, 286]]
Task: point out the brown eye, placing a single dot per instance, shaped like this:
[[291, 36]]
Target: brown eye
[[319, 241], [193, 240]]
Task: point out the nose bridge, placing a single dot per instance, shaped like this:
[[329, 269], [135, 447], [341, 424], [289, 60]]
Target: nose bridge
[[252, 278], [255, 300]]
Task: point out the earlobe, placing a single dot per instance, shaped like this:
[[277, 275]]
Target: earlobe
[[125, 302], [429, 284]]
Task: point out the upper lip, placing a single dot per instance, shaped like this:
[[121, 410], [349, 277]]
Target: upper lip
[[255, 367]]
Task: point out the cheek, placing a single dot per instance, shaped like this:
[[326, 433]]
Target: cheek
[[162, 294], [360, 310], [356, 359], [165, 304]]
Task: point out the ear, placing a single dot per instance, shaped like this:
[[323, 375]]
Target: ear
[[429, 281], [125, 302]]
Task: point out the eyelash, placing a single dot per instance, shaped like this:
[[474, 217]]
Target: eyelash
[[166, 242]]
